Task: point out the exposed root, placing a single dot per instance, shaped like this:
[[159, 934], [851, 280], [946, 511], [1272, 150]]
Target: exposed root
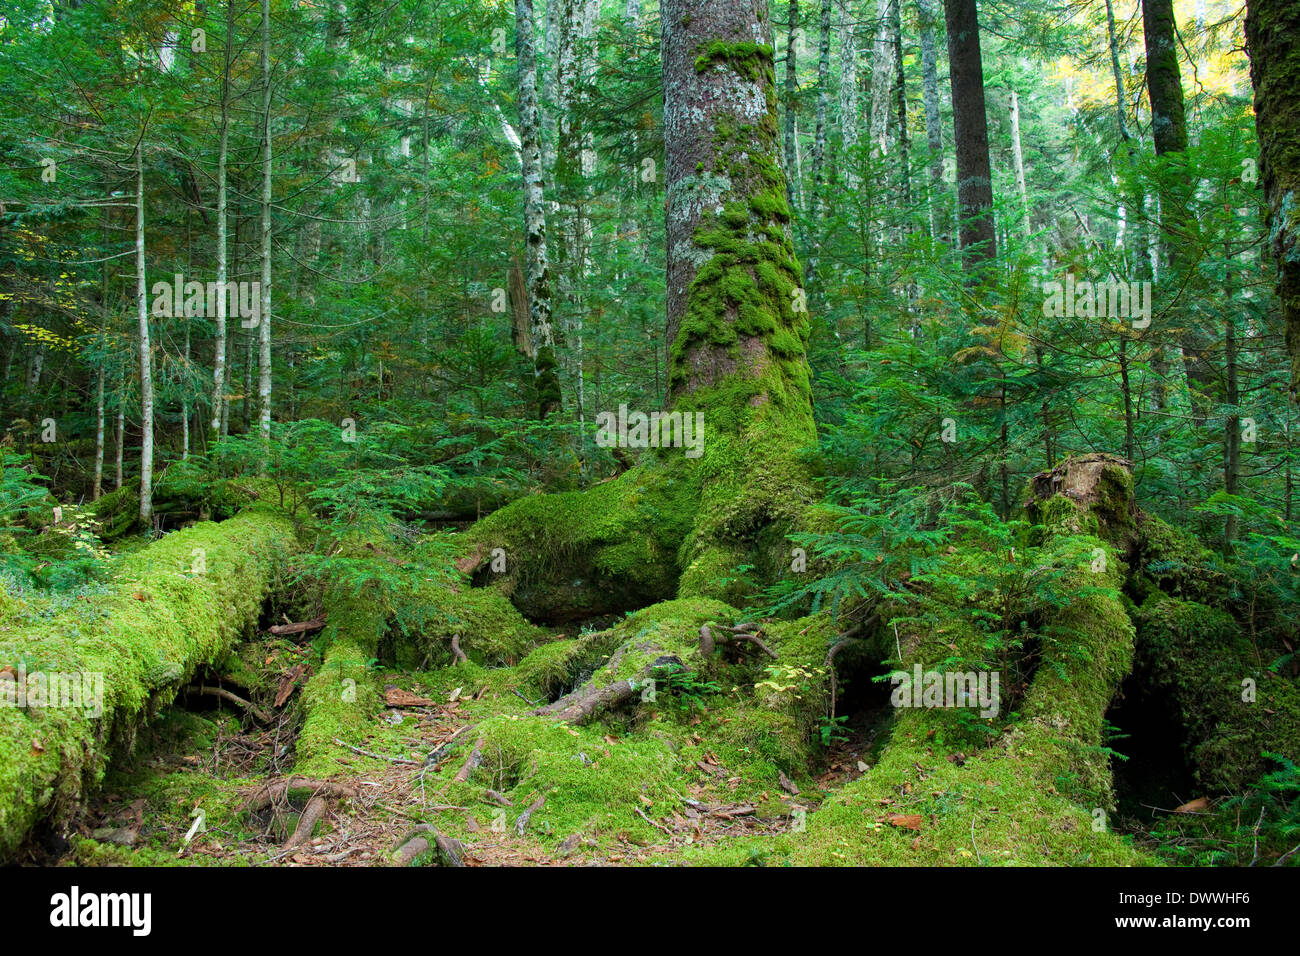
[[311, 816], [275, 790]]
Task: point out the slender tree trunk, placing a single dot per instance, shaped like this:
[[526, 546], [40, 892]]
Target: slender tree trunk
[[900, 93], [823, 108], [146, 361], [264, 320], [1018, 161], [1169, 130], [791, 103], [849, 101], [882, 76], [219, 346], [1113, 43], [97, 489], [538, 280], [970, 132], [1273, 38], [939, 201], [120, 447]]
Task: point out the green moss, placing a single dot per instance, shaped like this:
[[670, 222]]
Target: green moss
[[1198, 658], [342, 698], [155, 625], [751, 61]]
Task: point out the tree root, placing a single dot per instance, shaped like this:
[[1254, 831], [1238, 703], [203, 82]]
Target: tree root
[[311, 816], [275, 790], [415, 843], [741, 632]]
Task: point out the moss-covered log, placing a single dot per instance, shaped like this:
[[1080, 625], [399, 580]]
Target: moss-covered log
[[170, 608]]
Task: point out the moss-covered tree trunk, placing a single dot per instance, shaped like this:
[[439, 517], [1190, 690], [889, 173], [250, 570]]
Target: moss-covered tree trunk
[[737, 319], [706, 516], [1273, 40]]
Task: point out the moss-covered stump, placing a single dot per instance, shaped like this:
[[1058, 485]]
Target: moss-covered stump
[[170, 608], [1234, 709]]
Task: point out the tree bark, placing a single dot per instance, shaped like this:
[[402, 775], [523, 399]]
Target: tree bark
[[940, 211], [823, 107], [146, 360], [1169, 131], [538, 280], [219, 345], [791, 103], [264, 320], [970, 131], [848, 101], [1273, 38]]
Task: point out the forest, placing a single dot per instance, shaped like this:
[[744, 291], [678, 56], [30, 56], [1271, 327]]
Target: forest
[[694, 433]]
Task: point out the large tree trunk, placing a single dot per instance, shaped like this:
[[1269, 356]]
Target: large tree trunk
[[1169, 131], [970, 131], [1273, 39]]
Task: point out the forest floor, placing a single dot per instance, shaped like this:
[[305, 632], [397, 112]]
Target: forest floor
[[208, 759]]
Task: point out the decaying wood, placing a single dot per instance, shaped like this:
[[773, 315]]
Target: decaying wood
[[258, 714], [371, 753], [456, 651], [589, 700], [301, 627]]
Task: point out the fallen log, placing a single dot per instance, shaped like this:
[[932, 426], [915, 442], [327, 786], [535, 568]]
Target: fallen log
[[130, 650]]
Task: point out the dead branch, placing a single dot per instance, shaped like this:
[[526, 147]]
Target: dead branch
[[524, 817], [256, 713], [371, 753], [281, 630]]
